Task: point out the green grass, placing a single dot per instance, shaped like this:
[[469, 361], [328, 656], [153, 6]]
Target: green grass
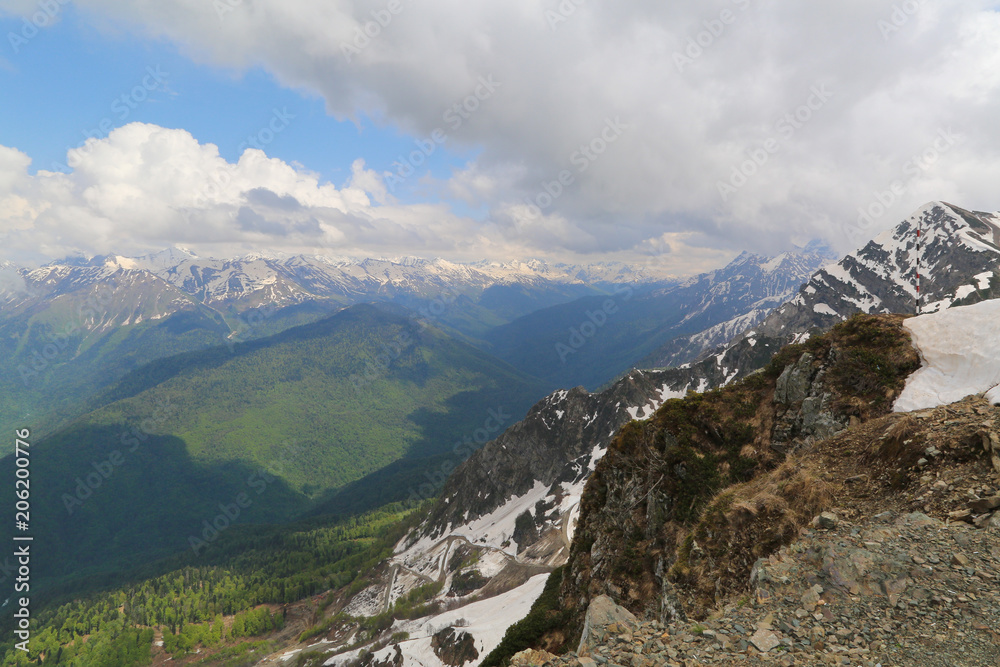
[[280, 423]]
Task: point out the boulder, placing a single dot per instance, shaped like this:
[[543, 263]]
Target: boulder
[[793, 384], [985, 505], [764, 640], [602, 613], [531, 658], [454, 647]]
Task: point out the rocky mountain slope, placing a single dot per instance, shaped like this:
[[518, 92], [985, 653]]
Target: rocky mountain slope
[[899, 564], [591, 340], [564, 434], [957, 258], [750, 287], [642, 507], [490, 540], [956, 254]]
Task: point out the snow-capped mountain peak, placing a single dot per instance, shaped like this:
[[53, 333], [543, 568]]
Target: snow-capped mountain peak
[[956, 254]]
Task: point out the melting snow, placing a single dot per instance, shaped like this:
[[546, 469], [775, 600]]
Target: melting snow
[[496, 528], [486, 620], [634, 412], [960, 350], [824, 309], [964, 291]]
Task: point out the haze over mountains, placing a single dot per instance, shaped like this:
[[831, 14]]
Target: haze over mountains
[[72, 327], [521, 495], [174, 384]]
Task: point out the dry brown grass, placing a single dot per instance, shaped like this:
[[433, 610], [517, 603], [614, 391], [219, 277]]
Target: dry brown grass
[[900, 444], [743, 523]]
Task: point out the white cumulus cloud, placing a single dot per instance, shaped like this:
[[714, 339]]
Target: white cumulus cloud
[[846, 100]]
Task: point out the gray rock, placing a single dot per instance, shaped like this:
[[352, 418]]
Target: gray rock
[[793, 383], [764, 640], [985, 505], [601, 613], [818, 419]]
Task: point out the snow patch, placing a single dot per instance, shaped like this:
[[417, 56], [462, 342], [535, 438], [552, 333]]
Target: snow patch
[[486, 620], [960, 350], [491, 563], [496, 529], [993, 395], [824, 309]]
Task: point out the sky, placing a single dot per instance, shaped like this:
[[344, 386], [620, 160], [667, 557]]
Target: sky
[[675, 133]]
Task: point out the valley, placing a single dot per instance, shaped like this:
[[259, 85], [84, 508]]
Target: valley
[[390, 485], [375, 333]]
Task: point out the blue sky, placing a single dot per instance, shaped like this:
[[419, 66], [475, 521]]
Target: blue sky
[[69, 78], [673, 134]]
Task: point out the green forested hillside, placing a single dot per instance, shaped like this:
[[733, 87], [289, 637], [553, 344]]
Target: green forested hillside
[[281, 422], [53, 365], [327, 402], [186, 597]]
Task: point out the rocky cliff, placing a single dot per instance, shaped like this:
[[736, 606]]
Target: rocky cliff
[[644, 505], [899, 565]]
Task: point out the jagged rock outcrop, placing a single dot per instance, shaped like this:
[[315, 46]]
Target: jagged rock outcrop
[[804, 403], [557, 442], [454, 647], [369, 659], [903, 568], [646, 494], [957, 256], [603, 616], [958, 259]]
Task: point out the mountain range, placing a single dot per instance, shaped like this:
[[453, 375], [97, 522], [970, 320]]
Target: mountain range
[[74, 327], [357, 391], [523, 493]]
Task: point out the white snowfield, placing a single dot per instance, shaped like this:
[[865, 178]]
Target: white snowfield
[[960, 350], [427, 558], [486, 620]]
